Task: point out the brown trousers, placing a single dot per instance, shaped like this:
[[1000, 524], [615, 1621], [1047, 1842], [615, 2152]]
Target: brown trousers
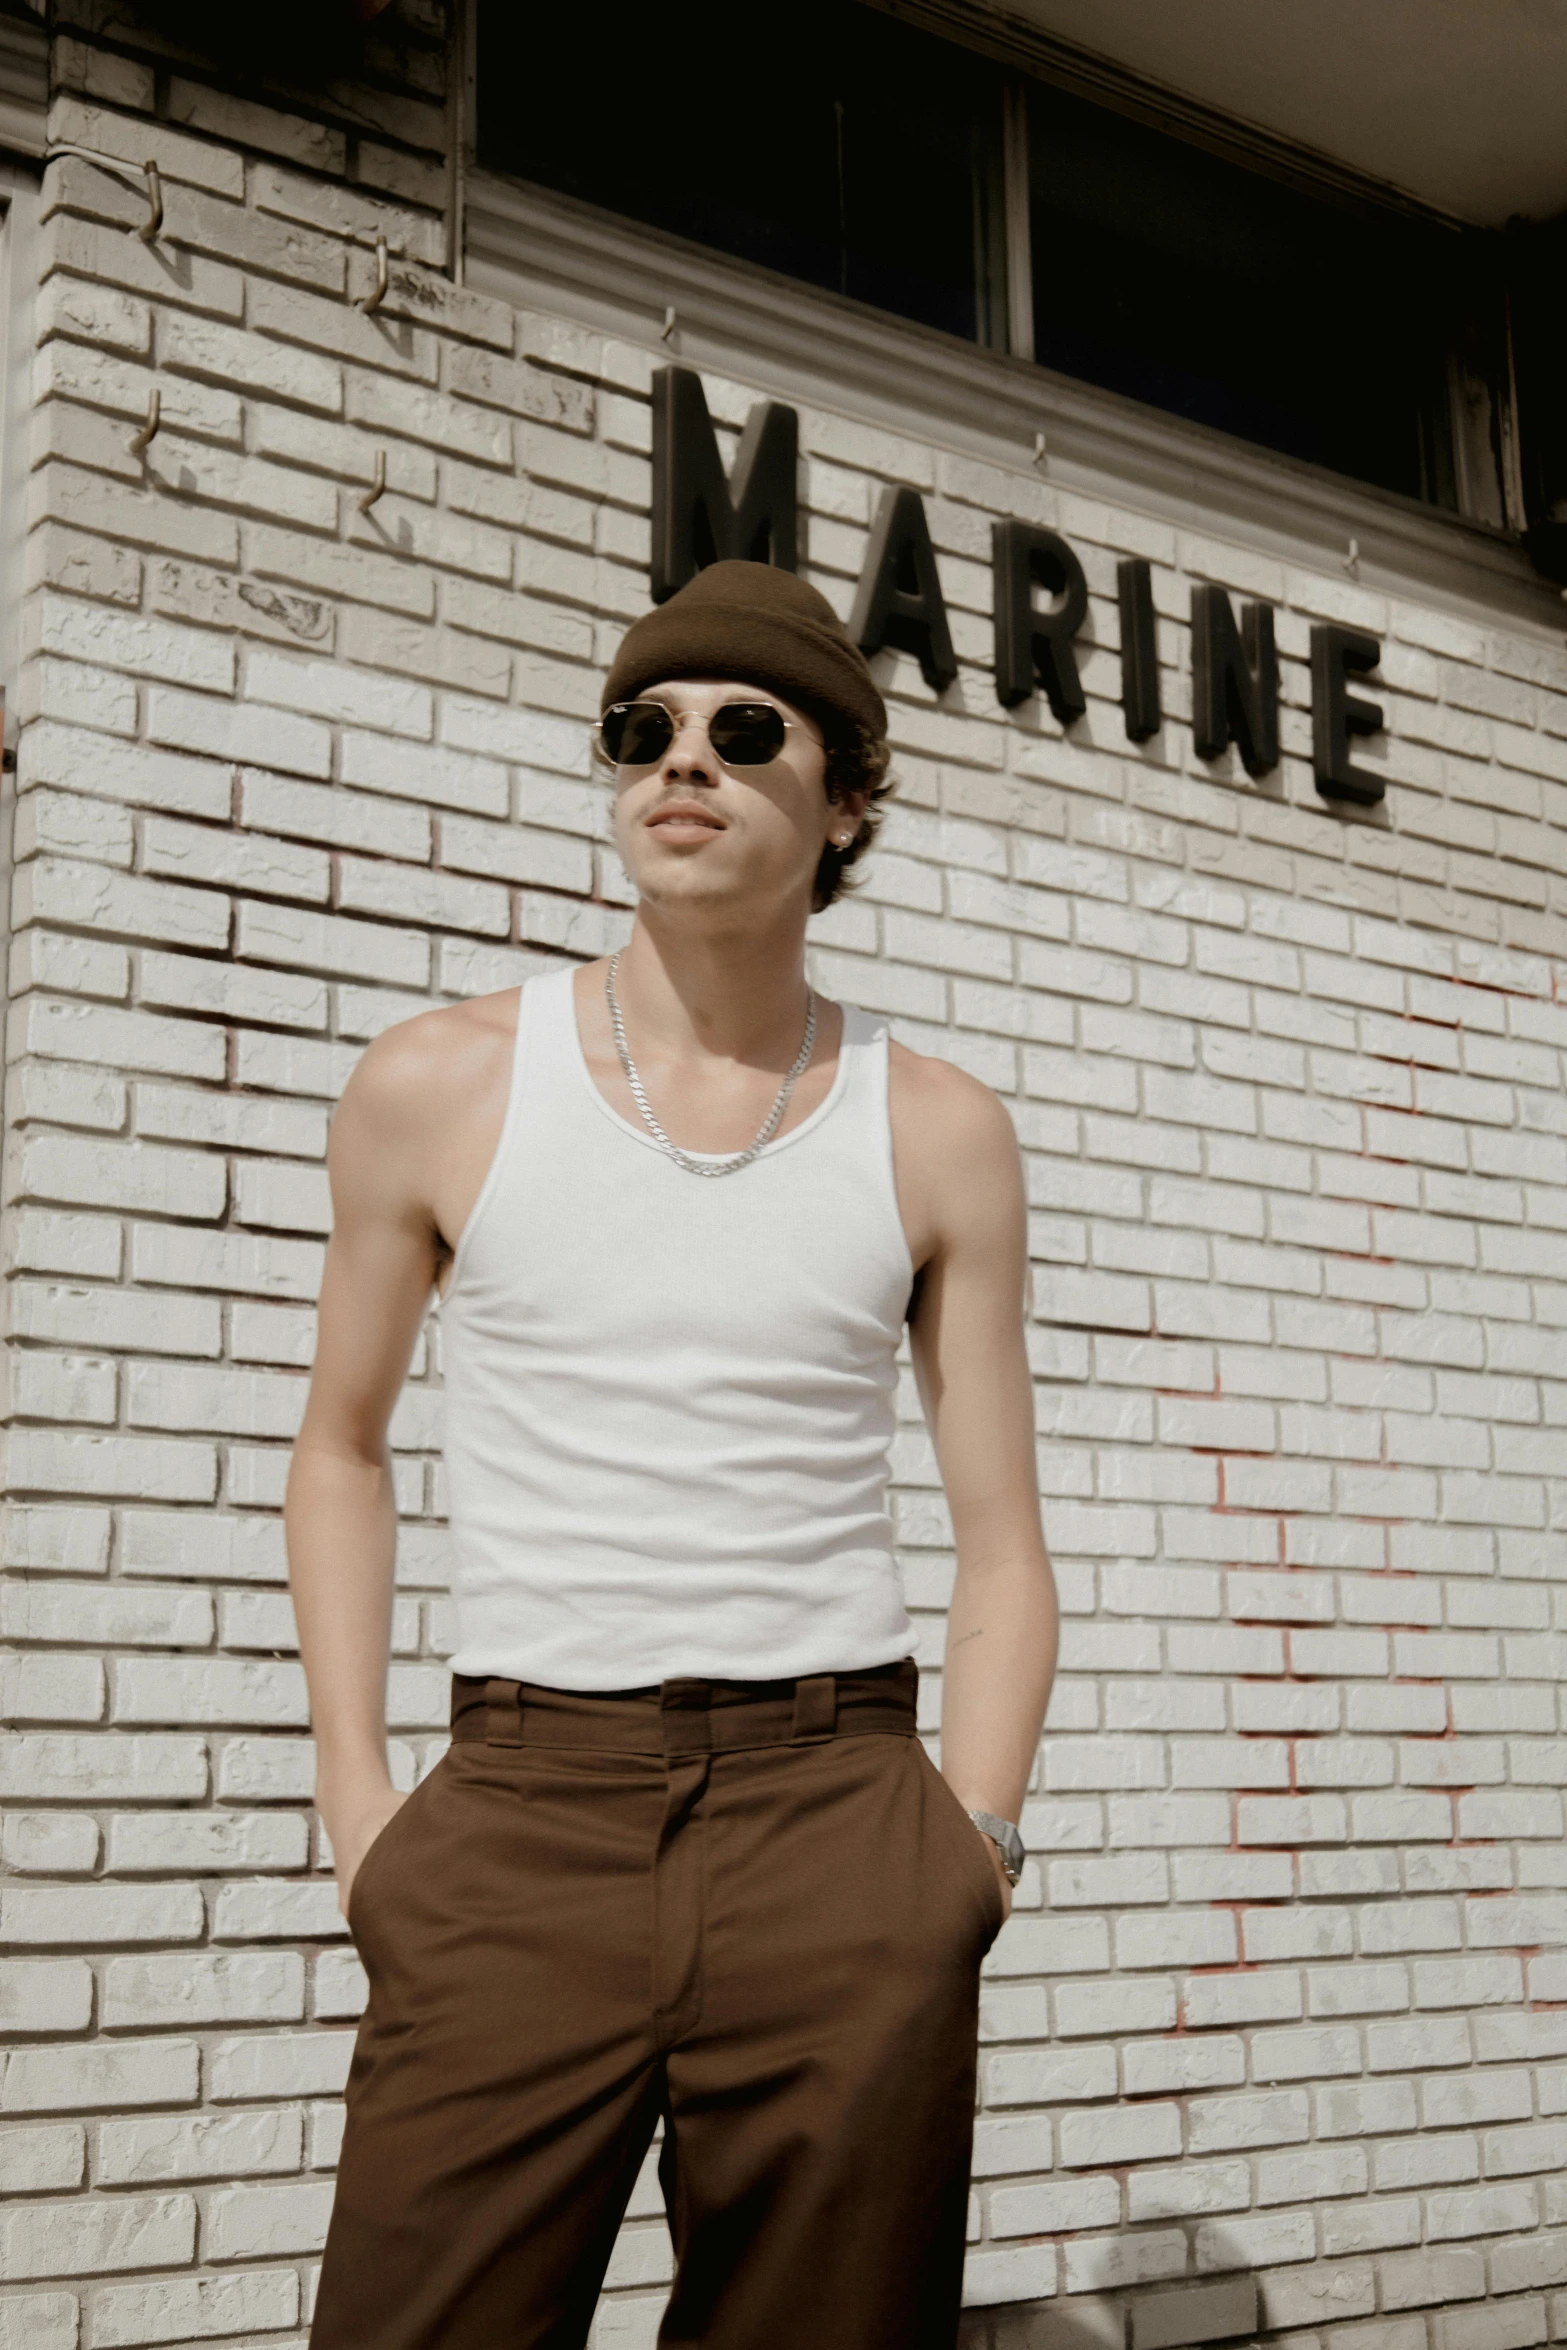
[[755, 1910]]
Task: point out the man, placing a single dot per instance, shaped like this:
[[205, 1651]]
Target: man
[[685, 1859]]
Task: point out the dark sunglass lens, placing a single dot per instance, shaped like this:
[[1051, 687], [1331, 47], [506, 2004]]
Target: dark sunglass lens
[[636, 734], [747, 734]]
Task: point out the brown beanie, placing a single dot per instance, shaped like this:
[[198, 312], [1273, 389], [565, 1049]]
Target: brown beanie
[[758, 624]]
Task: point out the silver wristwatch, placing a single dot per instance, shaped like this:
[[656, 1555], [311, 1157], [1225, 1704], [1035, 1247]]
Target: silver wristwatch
[[1006, 1840]]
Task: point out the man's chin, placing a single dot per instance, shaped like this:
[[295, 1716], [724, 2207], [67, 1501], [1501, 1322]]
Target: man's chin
[[681, 890], [686, 881]]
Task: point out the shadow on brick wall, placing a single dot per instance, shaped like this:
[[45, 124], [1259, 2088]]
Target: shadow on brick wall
[[1082, 2323], [1218, 2307]]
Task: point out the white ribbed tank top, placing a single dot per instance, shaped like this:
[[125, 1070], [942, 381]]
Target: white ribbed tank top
[[670, 1399]]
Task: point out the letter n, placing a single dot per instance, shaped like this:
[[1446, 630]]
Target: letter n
[[899, 601], [1235, 681], [698, 516]]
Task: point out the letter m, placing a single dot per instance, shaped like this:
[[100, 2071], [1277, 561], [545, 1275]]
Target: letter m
[[698, 516]]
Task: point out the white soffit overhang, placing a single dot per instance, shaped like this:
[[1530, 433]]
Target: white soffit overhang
[[1459, 104]]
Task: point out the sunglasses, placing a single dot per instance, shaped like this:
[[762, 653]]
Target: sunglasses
[[743, 734]]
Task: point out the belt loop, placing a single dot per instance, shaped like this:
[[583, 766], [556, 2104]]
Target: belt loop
[[503, 1724], [683, 1705], [816, 1707]]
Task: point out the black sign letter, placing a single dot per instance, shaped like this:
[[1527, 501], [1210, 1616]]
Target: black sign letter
[[696, 519], [899, 601], [1336, 714], [1235, 692], [1139, 649], [1030, 641]]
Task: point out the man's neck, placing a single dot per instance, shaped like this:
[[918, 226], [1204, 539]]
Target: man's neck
[[691, 995]]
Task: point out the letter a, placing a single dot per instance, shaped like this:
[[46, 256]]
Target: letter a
[[900, 600]]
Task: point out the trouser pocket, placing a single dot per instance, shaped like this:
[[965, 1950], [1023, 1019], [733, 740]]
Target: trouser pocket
[[973, 1848]]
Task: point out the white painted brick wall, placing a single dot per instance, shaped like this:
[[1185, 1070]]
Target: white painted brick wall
[[1277, 2039]]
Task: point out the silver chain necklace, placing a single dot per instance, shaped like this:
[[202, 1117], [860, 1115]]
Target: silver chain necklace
[[682, 1158]]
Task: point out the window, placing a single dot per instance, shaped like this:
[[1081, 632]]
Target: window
[[841, 146], [824, 140], [1206, 289]]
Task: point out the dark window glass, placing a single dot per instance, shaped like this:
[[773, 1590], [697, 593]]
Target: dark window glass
[[1187, 281], [825, 140], [1536, 265], [834, 144]]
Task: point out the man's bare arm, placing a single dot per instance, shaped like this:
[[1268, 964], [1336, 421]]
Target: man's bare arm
[[340, 1513], [971, 1363]]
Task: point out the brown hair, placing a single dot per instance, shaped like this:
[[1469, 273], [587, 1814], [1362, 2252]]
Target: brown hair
[[857, 761]]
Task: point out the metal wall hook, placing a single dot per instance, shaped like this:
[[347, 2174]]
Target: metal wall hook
[[377, 489], [142, 439], [668, 327], [377, 293], [154, 179], [154, 220]]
